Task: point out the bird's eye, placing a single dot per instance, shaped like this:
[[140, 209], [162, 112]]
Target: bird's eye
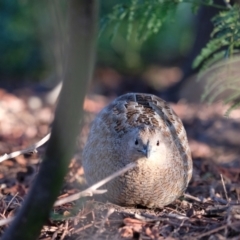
[[157, 143], [136, 142]]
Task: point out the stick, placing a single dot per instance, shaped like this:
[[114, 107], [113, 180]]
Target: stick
[[88, 192], [92, 190], [27, 150]]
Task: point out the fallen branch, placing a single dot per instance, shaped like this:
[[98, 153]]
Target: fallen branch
[[32, 148], [93, 189], [88, 192]]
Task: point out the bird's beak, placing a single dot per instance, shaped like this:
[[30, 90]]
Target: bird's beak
[[147, 151]]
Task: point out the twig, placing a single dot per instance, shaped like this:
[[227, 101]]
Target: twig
[[83, 228], [101, 228], [27, 150], [65, 231], [192, 197], [88, 192], [166, 219], [9, 204], [212, 231], [224, 188], [216, 199], [216, 209], [6, 221], [55, 234], [177, 229], [177, 216], [92, 190]]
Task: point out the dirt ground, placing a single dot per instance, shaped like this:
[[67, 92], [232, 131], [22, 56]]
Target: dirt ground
[[209, 210]]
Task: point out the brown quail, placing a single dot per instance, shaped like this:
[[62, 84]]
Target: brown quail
[[139, 128]]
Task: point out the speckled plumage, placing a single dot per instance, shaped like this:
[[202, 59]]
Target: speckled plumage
[[139, 128]]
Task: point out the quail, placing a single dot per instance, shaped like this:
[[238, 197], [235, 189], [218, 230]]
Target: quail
[[140, 128]]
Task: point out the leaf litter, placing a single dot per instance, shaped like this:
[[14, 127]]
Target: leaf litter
[[209, 210]]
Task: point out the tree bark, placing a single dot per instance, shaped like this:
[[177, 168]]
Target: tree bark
[[80, 53]]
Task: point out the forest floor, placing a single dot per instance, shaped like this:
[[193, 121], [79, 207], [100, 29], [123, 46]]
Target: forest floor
[[209, 210]]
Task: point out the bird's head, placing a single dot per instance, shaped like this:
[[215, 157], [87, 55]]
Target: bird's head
[[145, 143]]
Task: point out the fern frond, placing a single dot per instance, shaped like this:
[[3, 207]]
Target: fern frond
[[143, 17], [211, 87], [212, 47], [225, 38], [222, 81], [214, 59], [146, 17], [233, 107], [229, 84], [219, 65], [233, 97]]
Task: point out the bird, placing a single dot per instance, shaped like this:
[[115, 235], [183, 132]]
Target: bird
[[140, 128]]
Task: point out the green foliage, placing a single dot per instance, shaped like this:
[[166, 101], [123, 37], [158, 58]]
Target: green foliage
[[222, 78], [29, 36], [131, 54], [27, 40], [144, 17], [223, 83], [19, 43], [232, 107], [225, 38], [197, 4]]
